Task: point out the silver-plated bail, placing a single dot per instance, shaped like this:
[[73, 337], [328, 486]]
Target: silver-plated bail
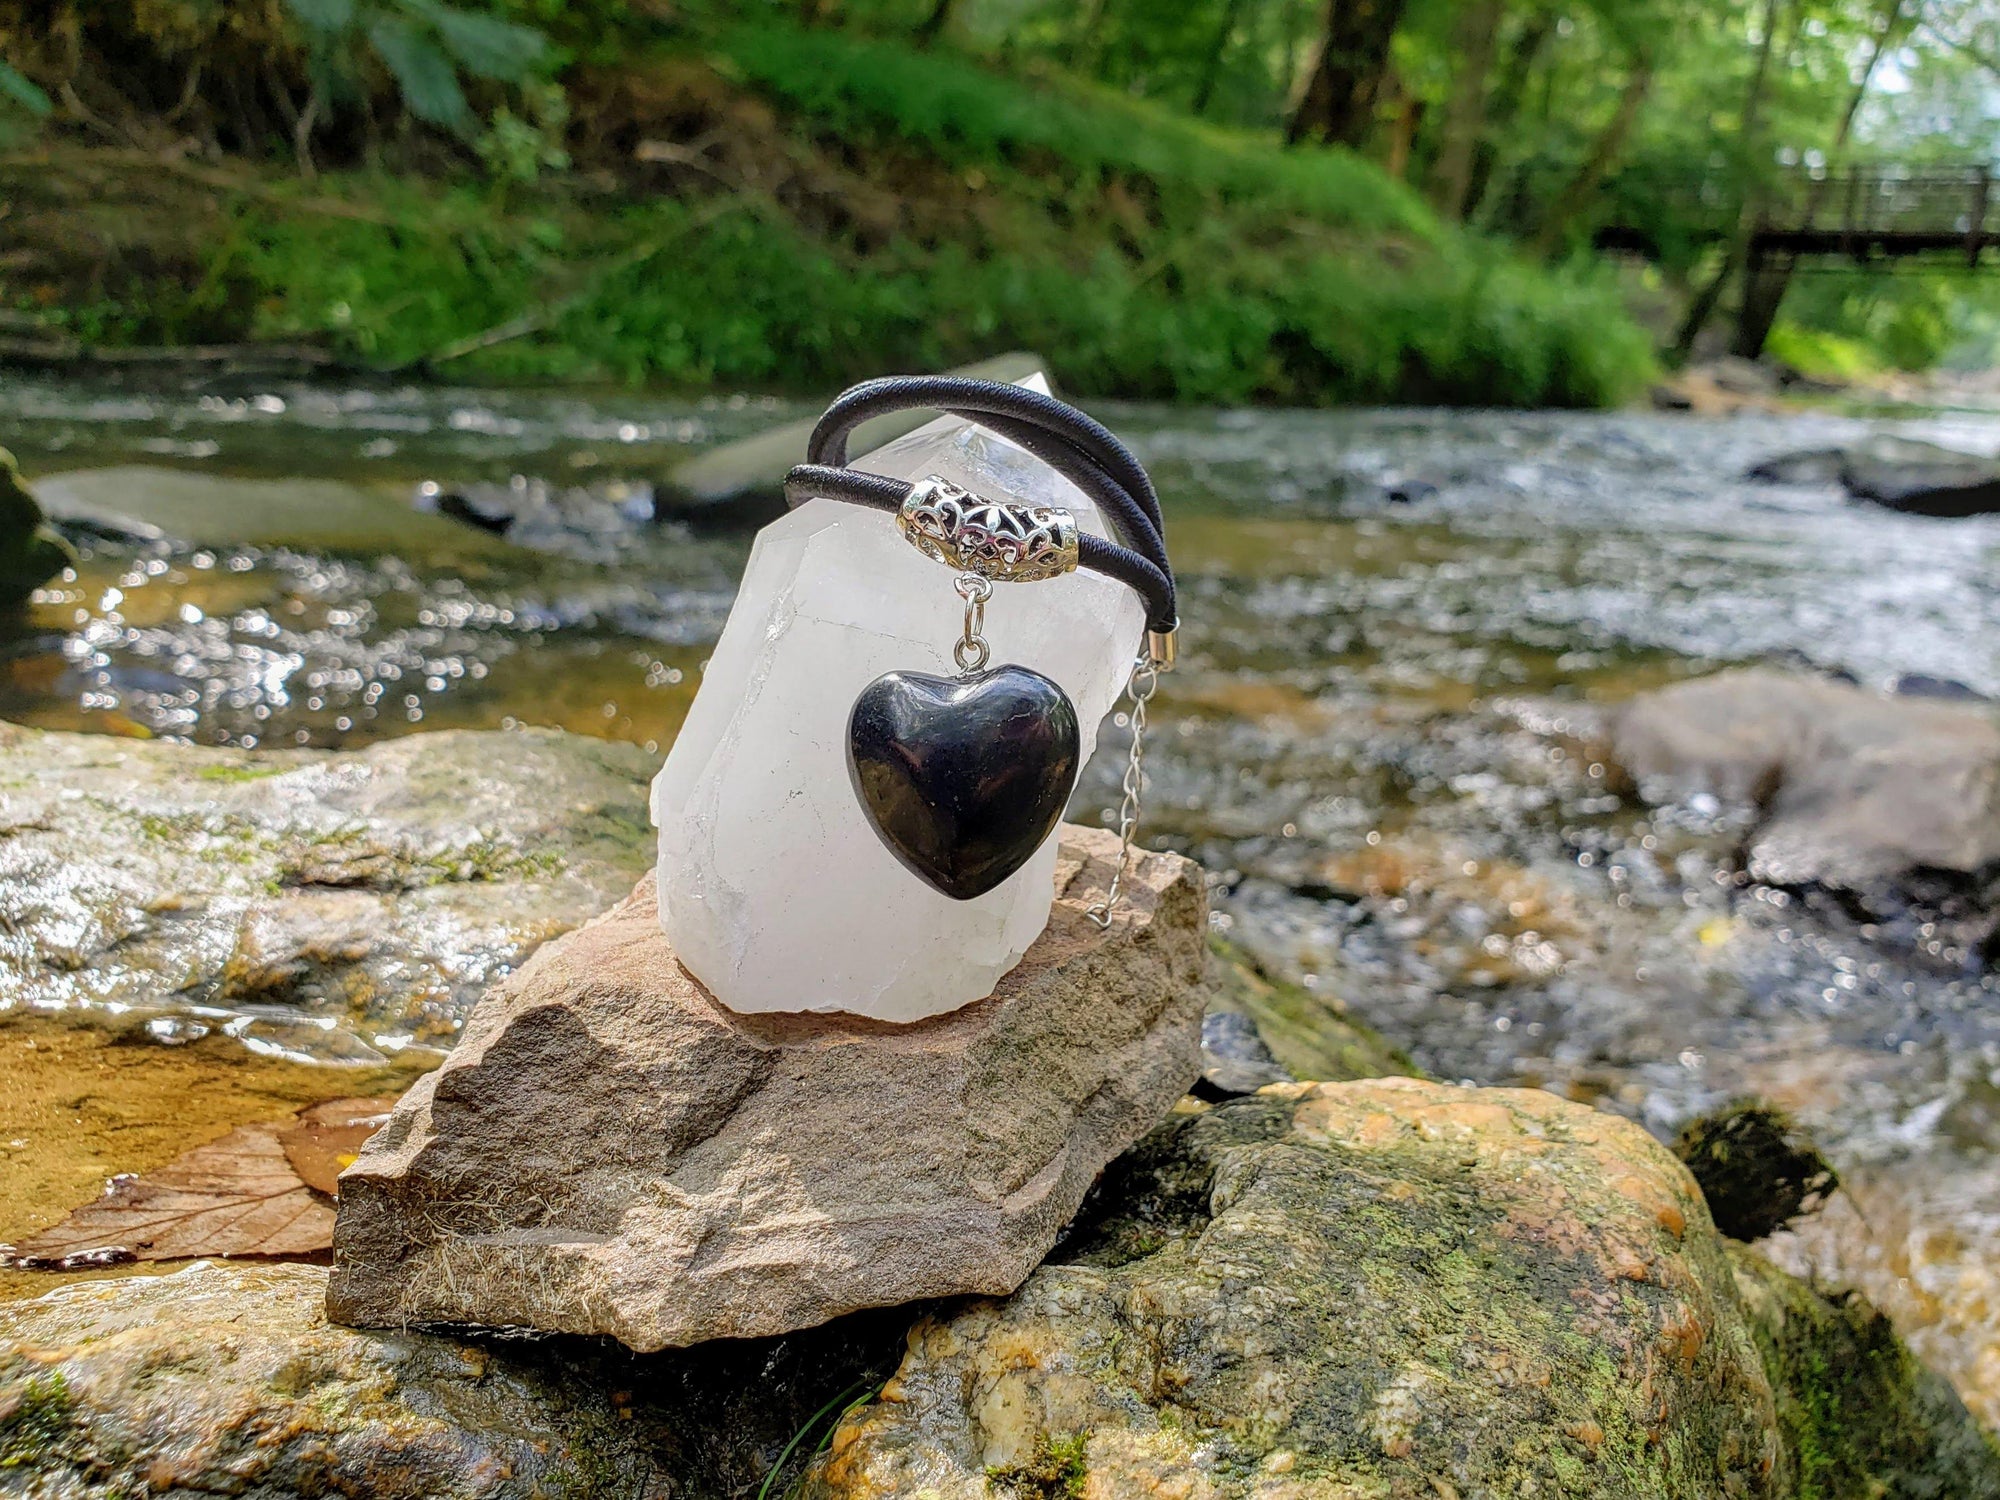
[[1005, 543]]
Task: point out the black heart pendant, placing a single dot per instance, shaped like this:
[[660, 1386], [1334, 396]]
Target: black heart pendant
[[964, 777]]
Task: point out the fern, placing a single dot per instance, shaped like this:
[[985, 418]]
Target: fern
[[17, 90], [485, 46], [427, 78], [426, 46]]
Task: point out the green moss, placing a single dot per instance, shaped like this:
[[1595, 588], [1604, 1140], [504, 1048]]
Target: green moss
[[35, 1421], [1057, 1470], [236, 774], [1310, 1034], [1756, 1169], [1860, 1417], [168, 828]]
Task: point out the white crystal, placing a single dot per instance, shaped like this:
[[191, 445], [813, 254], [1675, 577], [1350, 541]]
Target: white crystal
[[774, 889]]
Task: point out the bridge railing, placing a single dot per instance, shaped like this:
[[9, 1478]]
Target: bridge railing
[[1872, 201]]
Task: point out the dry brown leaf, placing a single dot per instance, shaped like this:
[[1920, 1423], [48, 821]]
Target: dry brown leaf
[[256, 1191], [329, 1136]]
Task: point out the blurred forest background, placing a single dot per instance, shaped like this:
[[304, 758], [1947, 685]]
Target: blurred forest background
[[1524, 202]]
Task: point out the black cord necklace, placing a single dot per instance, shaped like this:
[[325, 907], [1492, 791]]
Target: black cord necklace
[[965, 777]]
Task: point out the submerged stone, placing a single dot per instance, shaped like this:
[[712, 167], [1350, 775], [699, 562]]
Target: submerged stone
[[610, 1151], [309, 515], [331, 905]]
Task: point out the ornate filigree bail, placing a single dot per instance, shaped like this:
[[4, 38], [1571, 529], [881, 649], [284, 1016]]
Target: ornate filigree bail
[[1006, 543]]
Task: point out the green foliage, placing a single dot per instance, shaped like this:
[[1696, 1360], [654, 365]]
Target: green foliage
[[1904, 320], [1822, 355], [871, 92], [520, 148], [753, 301], [425, 46], [19, 93], [1058, 1469]]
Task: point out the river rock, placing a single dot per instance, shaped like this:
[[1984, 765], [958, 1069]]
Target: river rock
[[30, 552], [228, 1380], [1849, 789], [1380, 1292], [740, 486], [1400, 1289], [139, 502], [1902, 473], [610, 1151], [376, 892]]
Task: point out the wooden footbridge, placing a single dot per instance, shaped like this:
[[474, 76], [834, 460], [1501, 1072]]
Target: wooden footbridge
[[1871, 214]]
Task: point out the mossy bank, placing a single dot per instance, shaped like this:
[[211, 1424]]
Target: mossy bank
[[769, 207]]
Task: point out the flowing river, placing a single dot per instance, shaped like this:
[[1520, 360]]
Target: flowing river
[[1379, 739]]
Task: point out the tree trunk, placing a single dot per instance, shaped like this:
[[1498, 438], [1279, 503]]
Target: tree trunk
[[1506, 103], [1338, 105], [1764, 284], [934, 24], [1702, 308], [1403, 135], [1603, 156], [1211, 71], [1084, 44], [1465, 112]]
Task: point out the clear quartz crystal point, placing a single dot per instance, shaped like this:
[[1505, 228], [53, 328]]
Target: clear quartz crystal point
[[775, 891]]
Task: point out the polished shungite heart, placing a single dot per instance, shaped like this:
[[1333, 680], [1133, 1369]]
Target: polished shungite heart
[[963, 777]]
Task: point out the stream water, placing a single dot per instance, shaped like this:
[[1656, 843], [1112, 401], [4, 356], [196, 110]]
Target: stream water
[[1379, 737]]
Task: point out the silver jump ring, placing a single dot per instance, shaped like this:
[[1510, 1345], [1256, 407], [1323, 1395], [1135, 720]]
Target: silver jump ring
[[971, 651]]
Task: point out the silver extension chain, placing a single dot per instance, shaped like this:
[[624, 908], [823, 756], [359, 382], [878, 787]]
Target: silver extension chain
[[1145, 680]]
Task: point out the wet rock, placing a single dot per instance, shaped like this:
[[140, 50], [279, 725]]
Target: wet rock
[[589, 523], [30, 552], [1756, 1170], [1378, 1290], [610, 1151], [1902, 473], [1923, 685], [1922, 478], [1851, 790], [1858, 1414], [140, 503], [741, 486], [374, 893], [1394, 1289], [229, 1380], [1234, 1059], [1807, 466], [1308, 1033], [475, 505]]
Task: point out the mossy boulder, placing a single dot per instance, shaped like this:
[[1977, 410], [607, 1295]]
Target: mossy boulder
[[1387, 1290], [228, 1380], [1398, 1289], [1858, 1414], [31, 553]]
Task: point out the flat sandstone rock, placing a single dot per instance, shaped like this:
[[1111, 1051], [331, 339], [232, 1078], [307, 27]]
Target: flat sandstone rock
[[609, 1151]]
